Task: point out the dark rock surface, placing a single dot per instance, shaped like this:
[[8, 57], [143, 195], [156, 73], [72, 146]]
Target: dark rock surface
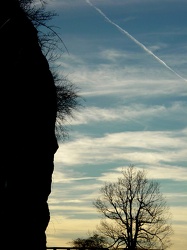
[[28, 141]]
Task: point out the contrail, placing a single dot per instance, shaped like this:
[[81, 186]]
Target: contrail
[[135, 40]]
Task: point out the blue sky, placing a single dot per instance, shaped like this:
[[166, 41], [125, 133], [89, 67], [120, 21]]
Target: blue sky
[[134, 110]]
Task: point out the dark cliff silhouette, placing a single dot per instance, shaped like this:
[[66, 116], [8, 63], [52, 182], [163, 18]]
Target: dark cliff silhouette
[[28, 139]]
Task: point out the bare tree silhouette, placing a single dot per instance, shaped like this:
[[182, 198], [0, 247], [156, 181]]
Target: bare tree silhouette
[[135, 212]]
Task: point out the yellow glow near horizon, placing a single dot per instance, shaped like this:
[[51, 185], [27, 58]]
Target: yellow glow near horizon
[[61, 231]]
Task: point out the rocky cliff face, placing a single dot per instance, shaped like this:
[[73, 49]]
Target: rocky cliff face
[[28, 142]]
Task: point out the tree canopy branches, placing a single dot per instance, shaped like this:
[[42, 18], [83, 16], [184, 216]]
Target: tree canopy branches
[[68, 99], [135, 213]]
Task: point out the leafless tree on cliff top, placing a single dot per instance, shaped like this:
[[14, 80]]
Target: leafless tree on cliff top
[[68, 98]]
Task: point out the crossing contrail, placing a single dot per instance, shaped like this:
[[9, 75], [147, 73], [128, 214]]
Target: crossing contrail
[[135, 40]]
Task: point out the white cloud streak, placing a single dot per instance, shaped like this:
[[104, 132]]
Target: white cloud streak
[[135, 40], [137, 113], [145, 148]]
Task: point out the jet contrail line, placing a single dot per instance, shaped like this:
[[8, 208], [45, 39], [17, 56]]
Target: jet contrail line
[[135, 40]]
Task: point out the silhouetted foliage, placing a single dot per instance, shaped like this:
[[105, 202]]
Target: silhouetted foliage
[[68, 99], [40, 17], [67, 103], [135, 214], [95, 241]]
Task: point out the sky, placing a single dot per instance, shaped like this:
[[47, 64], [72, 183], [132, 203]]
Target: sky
[[129, 60]]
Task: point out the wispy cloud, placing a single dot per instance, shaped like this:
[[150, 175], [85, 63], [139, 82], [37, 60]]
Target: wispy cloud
[[146, 147], [114, 78], [109, 81], [138, 113], [157, 172], [55, 4]]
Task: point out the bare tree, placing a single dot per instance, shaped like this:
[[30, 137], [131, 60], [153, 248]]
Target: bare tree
[[41, 18], [68, 101], [135, 212]]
